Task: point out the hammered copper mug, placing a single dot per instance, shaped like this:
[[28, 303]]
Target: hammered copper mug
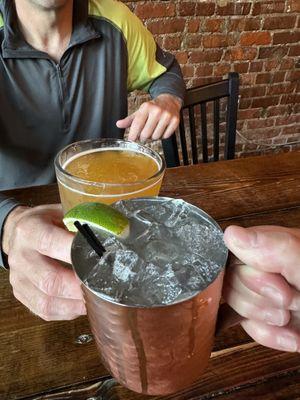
[[153, 350]]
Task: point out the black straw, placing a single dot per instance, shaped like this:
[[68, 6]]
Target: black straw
[[90, 237]]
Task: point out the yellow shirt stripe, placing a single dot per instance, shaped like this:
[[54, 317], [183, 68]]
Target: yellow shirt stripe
[[141, 47]]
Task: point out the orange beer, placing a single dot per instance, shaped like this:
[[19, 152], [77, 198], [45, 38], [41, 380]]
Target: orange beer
[[107, 170]]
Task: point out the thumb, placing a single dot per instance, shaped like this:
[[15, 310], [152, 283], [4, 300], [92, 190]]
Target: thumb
[[267, 248], [126, 122]]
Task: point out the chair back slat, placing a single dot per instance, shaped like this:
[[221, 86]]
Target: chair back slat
[[193, 135], [231, 118], [216, 129], [228, 89], [204, 132], [184, 152]]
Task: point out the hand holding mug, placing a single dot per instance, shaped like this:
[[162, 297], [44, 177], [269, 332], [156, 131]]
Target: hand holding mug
[[264, 287]]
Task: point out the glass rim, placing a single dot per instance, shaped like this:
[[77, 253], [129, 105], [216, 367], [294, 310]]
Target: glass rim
[[202, 214], [153, 154]]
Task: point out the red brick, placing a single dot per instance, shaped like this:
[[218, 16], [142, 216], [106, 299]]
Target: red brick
[[193, 40], [186, 8], [289, 130], [268, 7], [151, 9], [168, 26], [188, 71], [288, 120], [243, 24], [255, 38], [256, 91], [256, 66], [193, 25], [265, 101], [247, 79], [243, 8], [293, 6], [205, 8], [245, 104], [272, 52], [222, 69], [260, 123], [280, 89], [278, 77], [234, 8], [278, 110], [217, 40], [252, 24], [271, 65], [205, 56], [286, 64], [241, 53], [284, 22], [286, 37], [293, 76], [263, 133], [214, 25], [203, 70], [296, 108], [181, 57], [236, 24], [290, 98], [263, 78], [172, 42], [241, 68], [228, 9], [294, 50], [249, 114]]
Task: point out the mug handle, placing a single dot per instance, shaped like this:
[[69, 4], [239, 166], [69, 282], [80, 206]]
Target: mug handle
[[227, 318]]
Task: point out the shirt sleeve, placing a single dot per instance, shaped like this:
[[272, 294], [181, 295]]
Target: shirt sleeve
[[6, 206], [149, 67]]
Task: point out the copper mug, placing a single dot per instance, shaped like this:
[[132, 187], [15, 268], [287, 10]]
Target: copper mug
[[153, 350]]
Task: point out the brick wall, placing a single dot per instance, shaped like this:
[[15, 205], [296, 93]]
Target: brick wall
[[260, 39]]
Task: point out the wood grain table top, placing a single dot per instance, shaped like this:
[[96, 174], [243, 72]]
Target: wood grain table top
[[59, 360]]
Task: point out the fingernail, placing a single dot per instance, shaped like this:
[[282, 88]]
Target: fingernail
[[273, 294], [274, 317], [287, 343], [245, 239]]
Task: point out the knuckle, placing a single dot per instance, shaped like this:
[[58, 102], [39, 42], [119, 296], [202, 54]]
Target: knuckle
[[51, 285], [45, 240], [156, 110], [21, 228], [144, 107], [168, 115]]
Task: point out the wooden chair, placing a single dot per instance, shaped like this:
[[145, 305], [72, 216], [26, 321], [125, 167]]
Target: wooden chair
[[199, 97]]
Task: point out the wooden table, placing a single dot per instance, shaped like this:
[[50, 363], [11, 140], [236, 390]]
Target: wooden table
[[47, 360]]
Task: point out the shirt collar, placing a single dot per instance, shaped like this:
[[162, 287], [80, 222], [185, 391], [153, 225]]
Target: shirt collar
[[15, 46]]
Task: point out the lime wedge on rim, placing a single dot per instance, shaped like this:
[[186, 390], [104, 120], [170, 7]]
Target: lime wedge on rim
[[99, 216]]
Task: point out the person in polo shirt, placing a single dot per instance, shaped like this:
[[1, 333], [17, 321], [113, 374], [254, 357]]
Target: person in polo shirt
[[66, 67]]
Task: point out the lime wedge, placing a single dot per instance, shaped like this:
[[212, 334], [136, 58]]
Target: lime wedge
[[98, 215]]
